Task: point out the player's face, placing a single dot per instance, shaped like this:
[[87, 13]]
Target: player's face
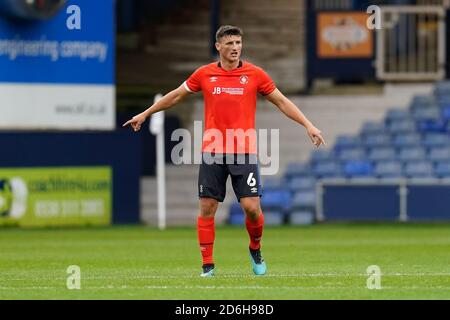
[[230, 48]]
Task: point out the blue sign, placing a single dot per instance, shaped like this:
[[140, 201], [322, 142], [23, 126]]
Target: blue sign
[[76, 46]]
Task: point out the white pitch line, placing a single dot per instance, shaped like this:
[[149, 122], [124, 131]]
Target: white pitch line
[[300, 275], [168, 287]]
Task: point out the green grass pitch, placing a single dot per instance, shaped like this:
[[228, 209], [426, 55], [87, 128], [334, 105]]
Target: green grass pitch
[[314, 262]]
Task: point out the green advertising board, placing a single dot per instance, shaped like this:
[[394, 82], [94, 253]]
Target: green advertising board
[[60, 196]]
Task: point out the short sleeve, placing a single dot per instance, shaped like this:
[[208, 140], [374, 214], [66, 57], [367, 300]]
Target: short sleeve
[[194, 83], [265, 84]]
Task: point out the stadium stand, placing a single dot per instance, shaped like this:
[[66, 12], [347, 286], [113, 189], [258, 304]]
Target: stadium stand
[[410, 144]]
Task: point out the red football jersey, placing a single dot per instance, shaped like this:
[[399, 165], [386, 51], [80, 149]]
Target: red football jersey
[[230, 105]]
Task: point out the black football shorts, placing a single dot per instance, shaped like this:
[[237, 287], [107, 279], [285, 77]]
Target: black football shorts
[[214, 171]]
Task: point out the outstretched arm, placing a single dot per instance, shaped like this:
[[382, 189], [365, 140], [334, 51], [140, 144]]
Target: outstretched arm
[[167, 101], [290, 110]]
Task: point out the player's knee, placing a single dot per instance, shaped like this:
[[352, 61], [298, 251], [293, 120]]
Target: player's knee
[[253, 214], [251, 208], [208, 207]]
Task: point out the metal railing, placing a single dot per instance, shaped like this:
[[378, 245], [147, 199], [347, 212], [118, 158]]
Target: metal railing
[[411, 44], [333, 4], [445, 3]]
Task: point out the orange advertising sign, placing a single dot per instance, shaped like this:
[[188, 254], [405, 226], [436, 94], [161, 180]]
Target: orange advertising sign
[[344, 35]]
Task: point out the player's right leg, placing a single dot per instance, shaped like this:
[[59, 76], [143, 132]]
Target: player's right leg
[[211, 190], [206, 234]]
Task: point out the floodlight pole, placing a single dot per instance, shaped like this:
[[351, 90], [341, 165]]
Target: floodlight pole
[[157, 128]]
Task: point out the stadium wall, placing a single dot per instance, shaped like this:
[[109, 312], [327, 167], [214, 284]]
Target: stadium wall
[[384, 201]]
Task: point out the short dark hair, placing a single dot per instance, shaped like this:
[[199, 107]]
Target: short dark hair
[[228, 31]]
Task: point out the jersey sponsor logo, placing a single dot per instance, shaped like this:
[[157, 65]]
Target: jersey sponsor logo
[[243, 79], [230, 91]]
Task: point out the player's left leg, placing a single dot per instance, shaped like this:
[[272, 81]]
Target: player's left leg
[[247, 187], [254, 222]]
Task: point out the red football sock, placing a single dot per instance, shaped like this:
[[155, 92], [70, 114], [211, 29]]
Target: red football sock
[[255, 229], [206, 233]]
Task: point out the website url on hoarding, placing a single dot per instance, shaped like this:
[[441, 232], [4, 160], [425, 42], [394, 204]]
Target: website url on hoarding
[[81, 108]]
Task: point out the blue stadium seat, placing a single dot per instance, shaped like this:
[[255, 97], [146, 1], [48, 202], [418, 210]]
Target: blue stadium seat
[[383, 153], [410, 154], [297, 169], [442, 88], [272, 183], [431, 140], [352, 154], [301, 217], [422, 101], [388, 169], [371, 127], [396, 115], [441, 154], [442, 169], [304, 200], [377, 140], [236, 215], [430, 125], [303, 183], [406, 140], [321, 155], [358, 169], [446, 113], [402, 126], [273, 218], [427, 113], [421, 169], [443, 101], [327, 169], [347, 142], [277, 199]]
